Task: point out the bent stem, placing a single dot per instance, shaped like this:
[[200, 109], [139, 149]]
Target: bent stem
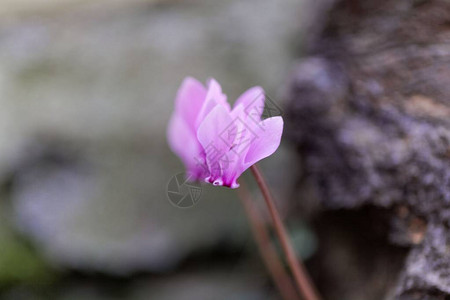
[[301, 277], [268, 253]]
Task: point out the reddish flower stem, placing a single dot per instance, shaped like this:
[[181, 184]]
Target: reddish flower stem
[[301, 277], [268, 253]]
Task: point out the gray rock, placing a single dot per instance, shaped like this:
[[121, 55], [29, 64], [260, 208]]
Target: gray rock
[[369, 112]]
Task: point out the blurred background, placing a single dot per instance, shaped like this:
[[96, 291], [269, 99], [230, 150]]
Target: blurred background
[[86, 91]]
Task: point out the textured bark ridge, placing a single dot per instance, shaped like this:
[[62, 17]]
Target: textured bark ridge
[[369, 109]]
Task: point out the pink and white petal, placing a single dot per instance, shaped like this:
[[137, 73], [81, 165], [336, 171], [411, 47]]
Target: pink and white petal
[[244, 131], [230, 164], [239, 119], [214, 96], [253, 102], [268, 138], [231, 161], [183, 142], [189, 101], [238, 112], [216, 134], [233, 168], [215, 92]]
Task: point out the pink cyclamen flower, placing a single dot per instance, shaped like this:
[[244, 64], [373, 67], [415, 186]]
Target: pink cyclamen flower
[[218, 143]]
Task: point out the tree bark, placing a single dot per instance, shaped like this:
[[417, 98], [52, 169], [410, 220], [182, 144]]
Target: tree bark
[[369, 109]]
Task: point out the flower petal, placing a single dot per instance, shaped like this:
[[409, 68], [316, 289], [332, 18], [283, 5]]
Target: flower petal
[[184, 143], [253, 102], [214, 96], [216, 135], [189, 101], [232, 162], [268, 137]]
